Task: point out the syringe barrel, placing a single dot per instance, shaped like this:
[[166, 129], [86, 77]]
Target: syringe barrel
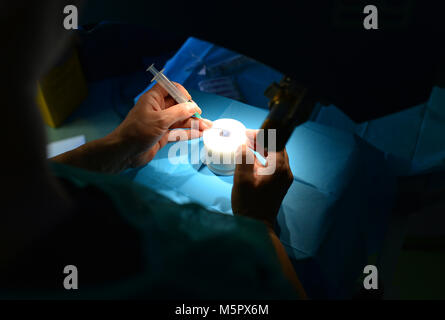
[[172, 90]]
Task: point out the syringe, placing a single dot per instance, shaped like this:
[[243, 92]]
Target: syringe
[[172, 90]]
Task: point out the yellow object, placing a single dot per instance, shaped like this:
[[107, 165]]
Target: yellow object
[[61, 90]]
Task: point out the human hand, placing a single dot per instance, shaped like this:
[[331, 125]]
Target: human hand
[[145, 129], [259, 196]]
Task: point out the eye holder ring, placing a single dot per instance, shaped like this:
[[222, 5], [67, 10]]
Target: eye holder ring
[[221, 143]]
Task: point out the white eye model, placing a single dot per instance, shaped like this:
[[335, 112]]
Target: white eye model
[[221, 143]]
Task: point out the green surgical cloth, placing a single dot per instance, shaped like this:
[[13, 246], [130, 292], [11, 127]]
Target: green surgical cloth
[[127, 241]]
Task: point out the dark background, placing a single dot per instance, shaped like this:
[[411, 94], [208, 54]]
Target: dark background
[[323, 44]]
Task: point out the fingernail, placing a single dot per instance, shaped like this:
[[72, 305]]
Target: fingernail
[[190, 106], [207, 123], [194, 107]]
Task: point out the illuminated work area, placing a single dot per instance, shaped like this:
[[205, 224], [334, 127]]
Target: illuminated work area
[[200, 163]]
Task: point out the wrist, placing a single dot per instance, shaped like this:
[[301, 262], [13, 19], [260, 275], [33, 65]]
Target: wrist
[[269, 222], [118, 152], [109, 154]]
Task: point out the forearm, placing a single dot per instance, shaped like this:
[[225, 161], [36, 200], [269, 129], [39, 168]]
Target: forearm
[[107, 155], [286, 265]]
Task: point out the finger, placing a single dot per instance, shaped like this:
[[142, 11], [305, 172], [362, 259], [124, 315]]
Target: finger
[[164, 93], [251, 133], [178, 112], [277, 158], [281, 162], [251, 138], [200, 124], [162, 96], [168, 102], [183, 90], [159, 89], [243, 170], [155, 101], [154, 97], [256, 141], [196, 106], [183, 135]]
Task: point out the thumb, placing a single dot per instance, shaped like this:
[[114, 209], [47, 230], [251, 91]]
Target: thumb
[[244, 168], [180, 112]]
